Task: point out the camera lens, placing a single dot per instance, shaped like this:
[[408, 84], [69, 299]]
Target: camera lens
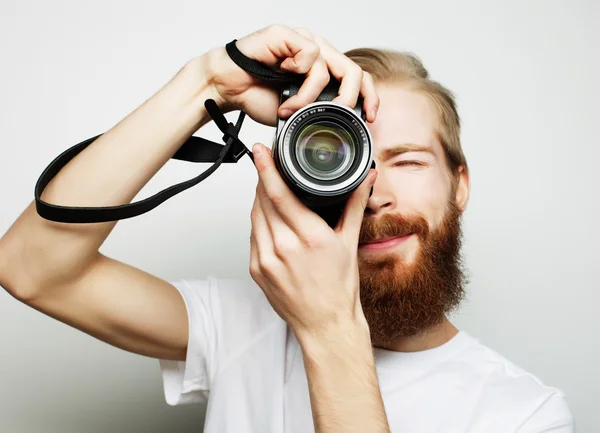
[[324, 151]]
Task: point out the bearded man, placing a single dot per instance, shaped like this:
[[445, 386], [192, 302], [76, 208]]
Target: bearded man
[[338, 329]]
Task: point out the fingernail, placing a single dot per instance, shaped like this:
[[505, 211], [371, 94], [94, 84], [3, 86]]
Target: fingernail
[[286, 112], [257, 149], [374, 177], [373, 113]]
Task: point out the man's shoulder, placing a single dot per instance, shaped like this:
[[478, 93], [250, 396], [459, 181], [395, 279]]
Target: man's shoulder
[[505, 386], [230, 293], [236, 304], [498, 368]]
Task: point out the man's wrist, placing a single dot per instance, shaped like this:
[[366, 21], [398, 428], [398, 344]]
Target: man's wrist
[[199, 74], [342, 380], [348, 336], [210, 69]]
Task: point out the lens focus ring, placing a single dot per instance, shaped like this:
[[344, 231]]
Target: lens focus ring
[[324, 149]]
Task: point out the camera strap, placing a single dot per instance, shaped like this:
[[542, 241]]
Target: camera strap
[[195, 149]]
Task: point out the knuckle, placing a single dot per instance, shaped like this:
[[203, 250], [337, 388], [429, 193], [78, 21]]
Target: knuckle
[[304, 32], [285, 249], [276, 28], [324, 80], [262, 169], [322, 72], [356, 71], [314, 49], [254, 270], [348, 99], [320, 40], [266, 264], [312, 242], [253, 267], [277, 198]]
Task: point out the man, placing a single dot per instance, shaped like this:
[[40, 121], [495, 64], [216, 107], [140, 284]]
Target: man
[[337, 330]]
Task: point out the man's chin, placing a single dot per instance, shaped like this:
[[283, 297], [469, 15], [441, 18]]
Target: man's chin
[[405, 291]]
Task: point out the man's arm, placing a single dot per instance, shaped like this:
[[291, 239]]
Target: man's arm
[[344, 390], [309, 274], [57, 269]]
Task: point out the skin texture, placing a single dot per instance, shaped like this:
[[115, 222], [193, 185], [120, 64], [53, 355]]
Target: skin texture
[[310, 272], [58, 270], [407, 290]]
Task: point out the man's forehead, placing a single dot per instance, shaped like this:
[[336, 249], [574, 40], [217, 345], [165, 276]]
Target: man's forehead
[[405, 117]]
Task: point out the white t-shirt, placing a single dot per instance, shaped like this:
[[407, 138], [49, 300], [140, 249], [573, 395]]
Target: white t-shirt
[[245, 363]]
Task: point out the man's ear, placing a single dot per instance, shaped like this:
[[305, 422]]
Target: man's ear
[[463, 188]]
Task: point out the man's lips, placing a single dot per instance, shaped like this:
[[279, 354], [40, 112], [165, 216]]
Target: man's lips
[[382, 244]]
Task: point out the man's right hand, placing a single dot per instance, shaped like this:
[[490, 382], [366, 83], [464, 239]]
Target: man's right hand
[[291, 50]]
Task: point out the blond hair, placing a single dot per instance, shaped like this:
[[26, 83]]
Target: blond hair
[[390, 66]]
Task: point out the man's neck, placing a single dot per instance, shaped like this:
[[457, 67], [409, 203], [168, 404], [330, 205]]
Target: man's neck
[[429, 339]]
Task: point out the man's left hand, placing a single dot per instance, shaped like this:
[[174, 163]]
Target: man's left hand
[[308, 270]]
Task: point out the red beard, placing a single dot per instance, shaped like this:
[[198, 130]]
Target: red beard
[[403, 300]]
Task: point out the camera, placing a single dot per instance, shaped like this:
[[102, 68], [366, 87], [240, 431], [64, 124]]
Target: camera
[[323, 151]]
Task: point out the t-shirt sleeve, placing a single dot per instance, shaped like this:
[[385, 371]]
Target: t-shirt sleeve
[[226, 316], [188, 381], [552, 416]]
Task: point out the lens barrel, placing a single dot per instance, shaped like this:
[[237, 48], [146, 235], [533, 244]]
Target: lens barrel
[[324, 151]]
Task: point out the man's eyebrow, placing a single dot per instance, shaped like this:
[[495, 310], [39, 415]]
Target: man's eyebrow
[[399, 149]]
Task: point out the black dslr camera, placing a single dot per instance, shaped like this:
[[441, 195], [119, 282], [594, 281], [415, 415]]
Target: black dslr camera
[[323, 151]]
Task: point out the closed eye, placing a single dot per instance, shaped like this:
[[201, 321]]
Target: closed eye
[[408, 163]]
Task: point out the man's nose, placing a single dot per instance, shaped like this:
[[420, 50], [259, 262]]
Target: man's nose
[[382, 197]]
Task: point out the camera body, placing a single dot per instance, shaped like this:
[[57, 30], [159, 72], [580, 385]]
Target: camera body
[[323, 151]]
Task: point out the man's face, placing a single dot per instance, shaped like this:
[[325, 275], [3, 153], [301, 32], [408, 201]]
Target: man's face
[[411, 281]]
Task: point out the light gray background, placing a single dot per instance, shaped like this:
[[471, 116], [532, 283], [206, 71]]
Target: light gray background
[[526, 79]]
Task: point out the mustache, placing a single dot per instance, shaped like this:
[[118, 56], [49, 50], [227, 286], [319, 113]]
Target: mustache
[[392, 225]]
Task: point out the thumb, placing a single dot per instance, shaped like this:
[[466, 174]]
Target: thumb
[[351, 219]]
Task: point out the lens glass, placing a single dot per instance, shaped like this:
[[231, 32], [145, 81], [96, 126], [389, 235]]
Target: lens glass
[[324, 150]]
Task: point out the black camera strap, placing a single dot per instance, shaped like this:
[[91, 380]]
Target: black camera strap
[[195, 149]]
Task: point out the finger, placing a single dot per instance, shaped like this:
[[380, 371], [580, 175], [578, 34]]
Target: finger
[[291, 210], [371, 98], [351, 219], [348, 73], [285, 241], [316, 79], [274, 43], [260, 233], [254, 266], [350, 86], [269, 251], [271, 216]]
